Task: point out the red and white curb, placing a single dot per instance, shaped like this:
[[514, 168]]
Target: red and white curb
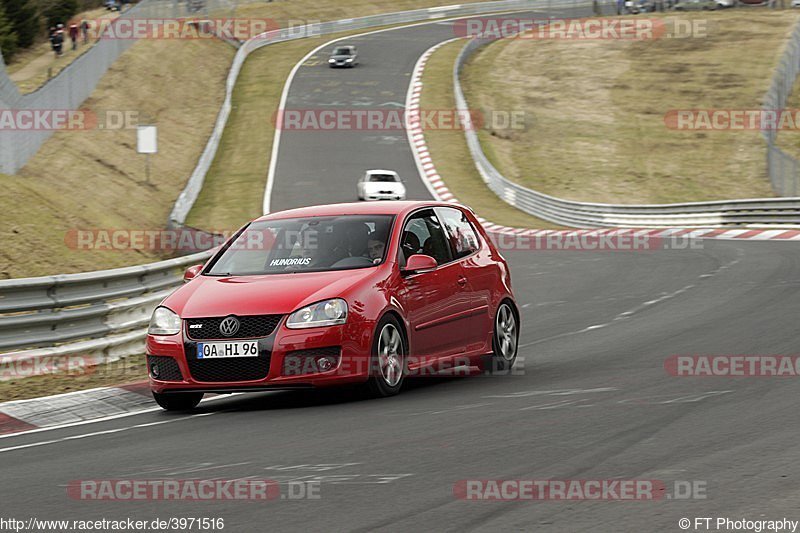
[[438, 188], [73, 408], [79, 407]]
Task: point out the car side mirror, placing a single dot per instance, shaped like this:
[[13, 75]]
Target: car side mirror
[[192, 272], [419, 263]]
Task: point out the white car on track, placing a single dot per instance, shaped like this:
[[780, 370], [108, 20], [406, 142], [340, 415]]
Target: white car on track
[[378, 184]]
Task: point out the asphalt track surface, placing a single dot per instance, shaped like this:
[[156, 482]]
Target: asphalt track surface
[[590, 398]]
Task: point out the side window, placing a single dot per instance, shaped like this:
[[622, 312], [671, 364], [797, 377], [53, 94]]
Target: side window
[[423, 234], [461, 234]]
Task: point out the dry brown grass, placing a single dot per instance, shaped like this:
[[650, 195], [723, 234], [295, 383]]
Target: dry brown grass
[[233, 190], [95, 179], [595, 111]]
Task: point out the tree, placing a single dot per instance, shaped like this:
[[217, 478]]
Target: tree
[[59, 11], [24, 18], [8, 37]]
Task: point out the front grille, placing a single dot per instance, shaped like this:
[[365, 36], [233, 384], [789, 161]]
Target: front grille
[[164, 368], [228, 368], [250, 327]]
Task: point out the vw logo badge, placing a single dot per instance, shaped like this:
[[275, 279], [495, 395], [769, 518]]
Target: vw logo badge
[[229, 326]]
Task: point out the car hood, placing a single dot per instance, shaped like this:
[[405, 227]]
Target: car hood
[[340, 58], [207, 296], [393, 186]]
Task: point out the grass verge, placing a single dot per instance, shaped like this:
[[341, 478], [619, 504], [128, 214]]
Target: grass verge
[[595, 111], [233, 190], [448, 148]]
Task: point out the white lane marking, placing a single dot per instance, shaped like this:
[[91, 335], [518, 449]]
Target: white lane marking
[[98, 433], [105, 418], [556, 392], [451, 409], [672, 399], [81, 423], [696, 397], [631, 312], [555, 405], [204, 467]]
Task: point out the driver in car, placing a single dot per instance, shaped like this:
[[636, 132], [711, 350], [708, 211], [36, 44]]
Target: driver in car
[[375, 248]]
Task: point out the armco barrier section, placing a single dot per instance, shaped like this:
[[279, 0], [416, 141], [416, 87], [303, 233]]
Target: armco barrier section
[[97, 316], [753, 213]]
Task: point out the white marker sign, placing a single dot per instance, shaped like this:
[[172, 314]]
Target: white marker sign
[[147, 139]]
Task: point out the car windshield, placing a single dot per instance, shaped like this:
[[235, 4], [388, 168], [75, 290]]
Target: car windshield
[[383, 178], [311, 244], [342, 51]]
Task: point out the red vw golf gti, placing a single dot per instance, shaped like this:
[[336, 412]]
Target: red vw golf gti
[[328, 295]]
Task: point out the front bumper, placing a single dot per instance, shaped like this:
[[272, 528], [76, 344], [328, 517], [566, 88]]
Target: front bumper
[[280, 365]]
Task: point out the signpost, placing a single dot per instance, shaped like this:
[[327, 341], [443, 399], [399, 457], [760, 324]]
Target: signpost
[[147, 143]]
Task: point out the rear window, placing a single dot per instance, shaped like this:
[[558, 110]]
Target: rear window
[[383, 178]]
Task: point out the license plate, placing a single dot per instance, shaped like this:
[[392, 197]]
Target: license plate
[[216, 350]]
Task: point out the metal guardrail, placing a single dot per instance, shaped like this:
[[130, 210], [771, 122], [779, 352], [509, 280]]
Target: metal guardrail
[[754, 213], [104, 310]]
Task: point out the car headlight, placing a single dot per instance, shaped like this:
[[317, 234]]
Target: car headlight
[[331, 60], [164, 322], [325, 313], [348, 60]]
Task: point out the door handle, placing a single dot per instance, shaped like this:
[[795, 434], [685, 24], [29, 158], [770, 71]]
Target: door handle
[[462, 281]]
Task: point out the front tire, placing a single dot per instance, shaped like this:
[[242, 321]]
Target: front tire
[[388, 362], [178, 401], [505, 341]]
